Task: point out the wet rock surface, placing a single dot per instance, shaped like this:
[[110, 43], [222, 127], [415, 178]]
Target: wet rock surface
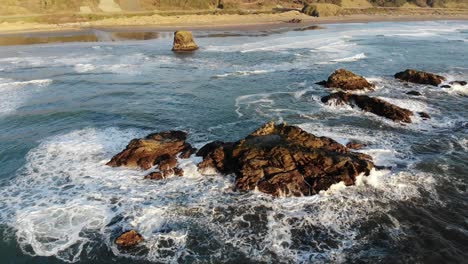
[[183, 42], [370, 104], [347, 80], [158, 149], [414, 93], [283, 159], [129, 239], [420, 77]]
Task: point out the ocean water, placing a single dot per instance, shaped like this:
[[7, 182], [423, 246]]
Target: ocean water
[[66, 109]]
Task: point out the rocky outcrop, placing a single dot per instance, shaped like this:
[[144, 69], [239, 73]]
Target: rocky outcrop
[[370, 104], [321, 9], [160, 149], [420, 77], [347, 81], [129, 239], [283, 159], [183, 41]]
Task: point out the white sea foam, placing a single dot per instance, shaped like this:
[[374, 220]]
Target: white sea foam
[[242, 73], [81, 68], [65, 193], [14, 93], [356, 57]]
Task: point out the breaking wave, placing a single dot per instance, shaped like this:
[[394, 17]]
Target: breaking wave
[[65, 201]]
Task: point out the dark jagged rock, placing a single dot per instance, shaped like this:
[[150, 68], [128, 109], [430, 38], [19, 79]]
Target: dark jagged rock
[[283, 159], [424, 115], [415, 93], [129, 239], [183, 42], [420, 77], [149, 151], [461, 83], [371, 104], [355, 145], [445, 86], [346, 80], [162, 174]]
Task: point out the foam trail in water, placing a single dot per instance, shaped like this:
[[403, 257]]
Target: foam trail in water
[[14, 93]]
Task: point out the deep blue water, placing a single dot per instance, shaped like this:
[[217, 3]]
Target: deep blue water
[[66, 109]]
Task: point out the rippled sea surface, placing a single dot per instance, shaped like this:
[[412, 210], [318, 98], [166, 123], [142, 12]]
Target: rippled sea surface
[[66, 109]]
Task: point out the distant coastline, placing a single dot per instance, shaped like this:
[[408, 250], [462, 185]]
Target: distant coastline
[[21, 32]]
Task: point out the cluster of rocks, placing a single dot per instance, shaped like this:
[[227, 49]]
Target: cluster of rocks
[[348, 82], [276, 159]]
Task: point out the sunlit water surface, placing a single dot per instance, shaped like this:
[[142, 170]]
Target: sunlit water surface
[[66, 109]]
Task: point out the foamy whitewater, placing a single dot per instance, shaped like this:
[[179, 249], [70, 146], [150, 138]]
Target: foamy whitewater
[[66, 109]]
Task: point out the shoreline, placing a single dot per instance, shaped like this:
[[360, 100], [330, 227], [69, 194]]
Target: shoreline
[[85, 32]]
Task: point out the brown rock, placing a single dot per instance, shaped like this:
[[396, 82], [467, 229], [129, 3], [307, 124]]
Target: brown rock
[[371, 104], [346, 80], [420, 77], [183, 41], [167, 164], [129, 239], [282, 159], [355, 145], [163, 174], [147, 152]]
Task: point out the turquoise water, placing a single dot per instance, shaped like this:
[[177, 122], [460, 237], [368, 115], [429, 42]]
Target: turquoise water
[[66, 109]]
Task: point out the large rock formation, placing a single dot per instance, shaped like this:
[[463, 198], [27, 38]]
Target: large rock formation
[[420, 77], [129, 239], [347, 80], [159, 149], [283, 159], [183, 41], [370, 104]]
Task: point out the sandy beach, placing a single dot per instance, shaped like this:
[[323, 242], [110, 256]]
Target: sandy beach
[[225, 21]]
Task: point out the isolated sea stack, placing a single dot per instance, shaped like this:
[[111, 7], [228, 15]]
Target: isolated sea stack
[[184, 42], [347, 81], [420, 77], [281, 159]]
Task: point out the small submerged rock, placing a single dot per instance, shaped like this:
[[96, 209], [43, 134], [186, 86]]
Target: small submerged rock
[[347, 80], [415, 93], [460, 83], [424, 115], [129, 239], [160, 149], [183, 41], [420, 77], [371, 104], [283, 159]]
